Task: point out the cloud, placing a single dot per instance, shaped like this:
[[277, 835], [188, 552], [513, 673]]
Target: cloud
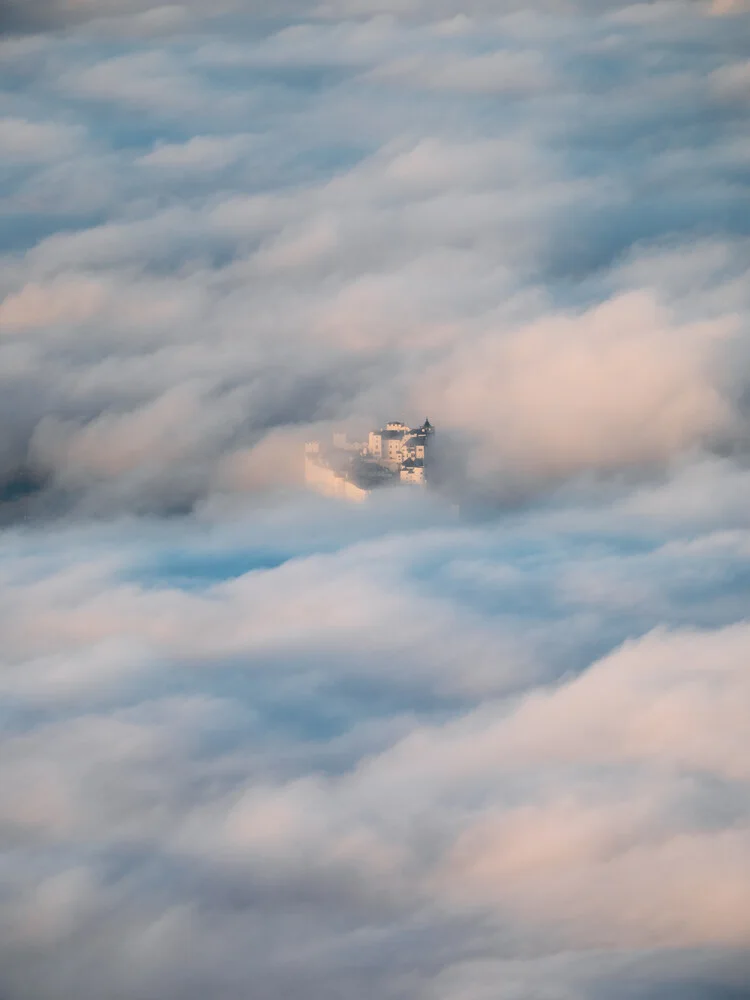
[[169, 787], [37, 142], [43, 306], [731, 81], [198, 153], [499, 73], [615, 386], [721, 7], [442, 242], [148, 81], [483, 741], [55, 14]]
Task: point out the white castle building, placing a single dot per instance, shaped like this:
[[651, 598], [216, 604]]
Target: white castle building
[[396, 453]]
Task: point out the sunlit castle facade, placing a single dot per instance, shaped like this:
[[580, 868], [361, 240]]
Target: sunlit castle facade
[[394, 454]]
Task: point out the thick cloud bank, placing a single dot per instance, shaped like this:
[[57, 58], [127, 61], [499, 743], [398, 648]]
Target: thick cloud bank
[[258, 744], [221, 230], [380, 753]]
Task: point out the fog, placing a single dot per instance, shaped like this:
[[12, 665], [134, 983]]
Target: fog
[[486, 740]]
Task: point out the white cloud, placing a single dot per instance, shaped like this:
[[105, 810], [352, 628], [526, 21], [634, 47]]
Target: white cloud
[[617, 385], [152, 82], [732, 81], [198, 153], [251, 736], [65, 301], [502, 72], [25, 141]]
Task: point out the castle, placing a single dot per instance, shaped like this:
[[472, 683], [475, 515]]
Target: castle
[[394, 454]]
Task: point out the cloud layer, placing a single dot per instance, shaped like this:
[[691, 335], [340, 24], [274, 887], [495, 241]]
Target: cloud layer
[[219, 227], [423, 758], [258, 744]]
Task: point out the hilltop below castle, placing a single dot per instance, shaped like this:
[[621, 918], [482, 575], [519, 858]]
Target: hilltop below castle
[[394, 454]]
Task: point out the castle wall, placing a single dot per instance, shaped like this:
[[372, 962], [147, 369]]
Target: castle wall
[[415, 475]]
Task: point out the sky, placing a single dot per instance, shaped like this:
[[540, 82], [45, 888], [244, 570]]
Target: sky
[[483, 742]]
